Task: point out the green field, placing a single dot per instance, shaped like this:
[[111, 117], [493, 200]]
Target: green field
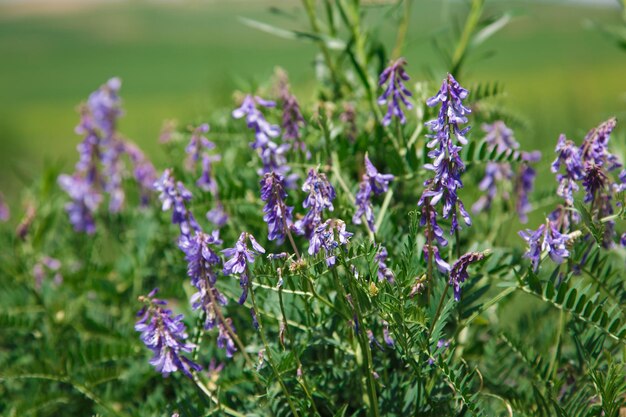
[[183, 60]]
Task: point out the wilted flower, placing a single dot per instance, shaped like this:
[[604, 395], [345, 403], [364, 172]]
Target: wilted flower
[[395, 93], [320, 197], [458, 273], [165, 335], [240, 259], [328, 236], [278, 215], [173, 195], [546, 238]]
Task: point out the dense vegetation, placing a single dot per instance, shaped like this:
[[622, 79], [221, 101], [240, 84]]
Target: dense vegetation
[[347, 257]]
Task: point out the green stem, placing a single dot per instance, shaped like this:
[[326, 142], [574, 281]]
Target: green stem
[[364, 343], [268, 352], [439, 307], [402, 29]]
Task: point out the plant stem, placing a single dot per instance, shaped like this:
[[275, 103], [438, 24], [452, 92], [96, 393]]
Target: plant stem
[[402, 29], [439, 306], [268, 352]]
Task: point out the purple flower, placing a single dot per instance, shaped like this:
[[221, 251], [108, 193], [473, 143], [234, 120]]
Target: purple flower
[[494, 173], [278, 215], [524, 184], [143, 170], [165, 335], [292, 119], [568, 157], [372, 181], [595, 147], [546, 238], [224, 339], [320, 197], [384, 272], [386, 336], [458, 273], [197, 146], [348, 118], [217, 215], [105, 106], [328, 236], [442, 265], [173, 195], [206, 181], [85, 201], [499, 136], [446, 162], [44, 267], [395, 93], [4, 210], [263, 130], [240, 259], [622, 240]]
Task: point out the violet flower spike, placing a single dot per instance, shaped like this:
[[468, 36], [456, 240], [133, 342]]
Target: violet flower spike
[[320, 197], [395, 94], [524, 184], [568, 157], [292, 119], [329, 236], [165, 334], [174, 195], [278, 215], [198, 143], [546, 238], [384, 272], [458, 272], [446, 161], [240, 259]]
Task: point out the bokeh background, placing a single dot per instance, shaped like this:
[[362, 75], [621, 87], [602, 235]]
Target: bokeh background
[[183, 60]]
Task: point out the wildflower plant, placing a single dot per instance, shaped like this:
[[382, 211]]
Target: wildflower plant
[[315, 257]]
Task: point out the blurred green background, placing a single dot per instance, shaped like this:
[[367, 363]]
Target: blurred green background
[[183, 59]]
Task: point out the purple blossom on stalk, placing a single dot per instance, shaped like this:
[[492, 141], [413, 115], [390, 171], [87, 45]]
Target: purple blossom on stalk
[[240, 259], [568, 157], [386, 335], [278, 215], [292, 119], [264, 131], [165, 335], [45, 266], [372, 182], [198, 144], [143, 170], [524, 184], [4, 210], [217, 215], [384, 272], [85, 202], [546, 238], [174, 195], [320, 197], [206, 181], [446, 162], [395, 94], [442, 265], [328, 236], [622, 240], [458, 272]]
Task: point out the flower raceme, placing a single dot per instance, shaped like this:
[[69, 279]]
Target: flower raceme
[[446, 161], [240, 259], [395, 94], [458, 272], [278, 215], [546, 238], [174, 195], [329, 236], [372, 182], [320, 197], [165, 334]]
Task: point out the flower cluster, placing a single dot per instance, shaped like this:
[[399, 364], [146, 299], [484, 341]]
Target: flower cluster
[[240, 259], [320, 197], [197, 151], [458, 272], [44, 267], [546, 238], [395, 93], [500, 137], [292, 119], [568, 157], [328, 236], [446, 162], [384, 272], [100, 167], [372, 182], [165, 335], [174, 195], [278, 215], [201, 263], [272, 154]]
